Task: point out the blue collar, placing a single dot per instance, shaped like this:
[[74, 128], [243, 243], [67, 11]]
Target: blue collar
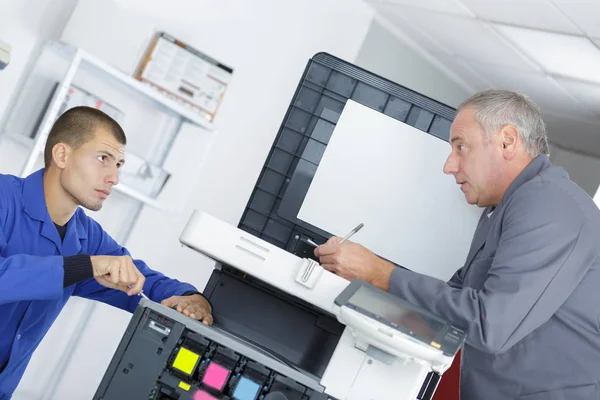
[[33, 196], [34, 204]]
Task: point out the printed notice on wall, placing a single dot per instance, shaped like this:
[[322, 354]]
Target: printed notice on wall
[[184, 74]]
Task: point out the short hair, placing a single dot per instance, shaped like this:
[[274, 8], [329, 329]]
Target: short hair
[[495, 108], [77, 126]]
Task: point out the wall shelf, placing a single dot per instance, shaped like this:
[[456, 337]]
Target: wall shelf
[[69, 61], [161, 98]]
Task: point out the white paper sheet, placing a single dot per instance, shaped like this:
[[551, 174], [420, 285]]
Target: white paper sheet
[[388, 175]]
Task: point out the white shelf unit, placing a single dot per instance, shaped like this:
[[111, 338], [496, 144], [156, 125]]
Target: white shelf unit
[[77, 60], [127, 191], [52, 73], [179, 108]]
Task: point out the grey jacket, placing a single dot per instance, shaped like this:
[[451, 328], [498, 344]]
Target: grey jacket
[[528, 294]]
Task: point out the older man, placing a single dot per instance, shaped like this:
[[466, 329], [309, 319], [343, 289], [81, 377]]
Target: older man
[[527, 293]]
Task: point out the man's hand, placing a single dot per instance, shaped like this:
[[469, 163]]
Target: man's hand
[[194, 306], [352, 261], [118, 272]]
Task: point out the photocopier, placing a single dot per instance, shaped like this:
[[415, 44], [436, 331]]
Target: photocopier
[[286, 328]]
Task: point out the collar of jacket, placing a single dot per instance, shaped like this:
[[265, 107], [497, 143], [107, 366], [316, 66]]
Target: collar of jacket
[[34, 204], [535, 167]]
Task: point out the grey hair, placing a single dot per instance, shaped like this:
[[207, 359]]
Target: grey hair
[[495, 108]]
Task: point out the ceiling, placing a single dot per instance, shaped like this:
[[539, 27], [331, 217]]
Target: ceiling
[[547, 49]]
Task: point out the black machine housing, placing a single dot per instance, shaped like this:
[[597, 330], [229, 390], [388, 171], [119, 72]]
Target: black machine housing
[[304, 335]]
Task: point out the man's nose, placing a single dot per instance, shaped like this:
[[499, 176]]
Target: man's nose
[[113, 177], [451, 165]]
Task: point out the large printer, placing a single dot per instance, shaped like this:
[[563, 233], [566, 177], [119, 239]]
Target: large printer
[[285, 328]]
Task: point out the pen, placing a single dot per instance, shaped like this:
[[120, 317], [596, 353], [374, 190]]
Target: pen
[[352, 232]]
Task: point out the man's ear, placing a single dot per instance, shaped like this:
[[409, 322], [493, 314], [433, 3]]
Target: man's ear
[[60, 154], [510, 138]]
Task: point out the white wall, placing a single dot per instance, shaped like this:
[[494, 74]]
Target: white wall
[[583, 169], [581, 159], [384, 53], [24, 24], [268, 43]]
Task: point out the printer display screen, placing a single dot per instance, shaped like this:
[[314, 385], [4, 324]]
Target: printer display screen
[[395, 314]]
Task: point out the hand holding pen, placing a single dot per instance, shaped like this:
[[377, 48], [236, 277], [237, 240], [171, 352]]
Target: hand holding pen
[[334, 239], [337, 254], [351, 260]]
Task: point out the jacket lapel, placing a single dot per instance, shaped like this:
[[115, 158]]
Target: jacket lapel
[[75, 234], [480, 236], [49, 231]]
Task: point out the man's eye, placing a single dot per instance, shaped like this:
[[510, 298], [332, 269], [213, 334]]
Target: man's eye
[[102, 158]]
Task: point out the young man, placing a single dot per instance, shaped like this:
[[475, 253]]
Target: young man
[[51, 250], [527, 294]]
